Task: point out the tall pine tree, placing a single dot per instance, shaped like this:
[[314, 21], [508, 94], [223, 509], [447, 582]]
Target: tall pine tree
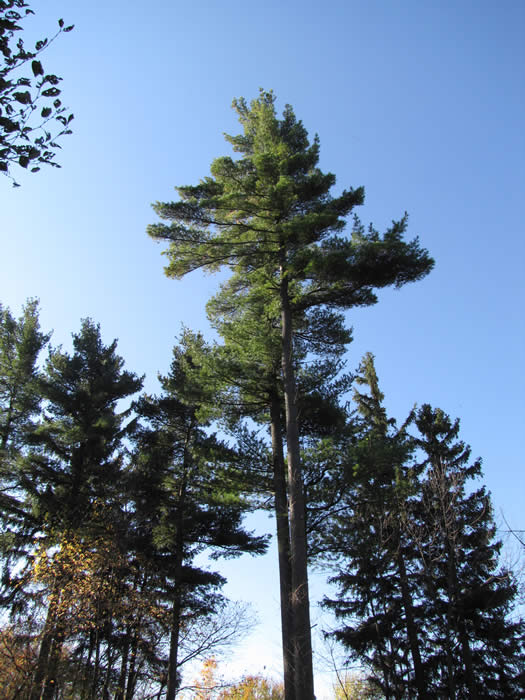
[[270, 218], [247, 368]]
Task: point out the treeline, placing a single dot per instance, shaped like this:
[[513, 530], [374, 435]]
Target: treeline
[[422, 600], [108, 495], [349, 491], [106, 502]]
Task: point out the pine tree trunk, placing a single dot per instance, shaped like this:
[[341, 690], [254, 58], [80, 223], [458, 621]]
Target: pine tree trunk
[[174, 648], [283, 544], [177, 594], [411, 627], [50, 687], [42, 665], [466, 654], [304, 683], [132, 676], [119, 694]]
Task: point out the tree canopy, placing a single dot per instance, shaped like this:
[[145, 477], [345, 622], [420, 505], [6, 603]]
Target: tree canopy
[[270, 217], [423, 601]]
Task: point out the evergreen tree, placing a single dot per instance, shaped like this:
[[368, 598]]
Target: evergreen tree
[[71, 473], [187, 500], [423, 601], [246, 371], [479, 650], [270, 217], [21, 342], [376, 578]]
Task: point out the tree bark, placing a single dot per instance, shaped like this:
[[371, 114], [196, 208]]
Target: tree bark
[[411, 627], [50, 687], [457, 615], [132, 676], [119, 694], [177, 594], [174, 649], [283, 544], [304, 682], [42, 665]]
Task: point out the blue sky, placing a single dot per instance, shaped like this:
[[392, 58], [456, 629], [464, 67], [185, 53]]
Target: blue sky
[[422, 103]]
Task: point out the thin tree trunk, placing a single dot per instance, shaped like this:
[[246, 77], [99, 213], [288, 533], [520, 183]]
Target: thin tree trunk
[[411, 627], [283, 544], [87, 667], [466, 654], [50, 687], [177, 594], [130, 686], [174, 648], [96, 668], [119, 694], [304, 681], [42, 665], [450, 661], [109, 670]]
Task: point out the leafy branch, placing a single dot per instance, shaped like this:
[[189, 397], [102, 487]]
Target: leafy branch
[[28, 105]]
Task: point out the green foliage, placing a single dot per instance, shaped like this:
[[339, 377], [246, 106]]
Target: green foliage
[[187, 498], [29, 102], [98, 544], [472, 595], [21, 342], [422, 598], [70, 481], [269, 216], [191, 468], [272, 207], [76, 455]]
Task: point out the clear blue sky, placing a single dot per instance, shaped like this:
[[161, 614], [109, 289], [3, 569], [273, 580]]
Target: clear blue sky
[[420, 102]]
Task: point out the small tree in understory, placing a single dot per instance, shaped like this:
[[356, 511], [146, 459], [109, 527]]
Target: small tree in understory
[[210, 686], [253, 688], [187, 499]]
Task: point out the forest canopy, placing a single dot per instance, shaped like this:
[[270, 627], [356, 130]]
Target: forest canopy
[[112, 496]]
